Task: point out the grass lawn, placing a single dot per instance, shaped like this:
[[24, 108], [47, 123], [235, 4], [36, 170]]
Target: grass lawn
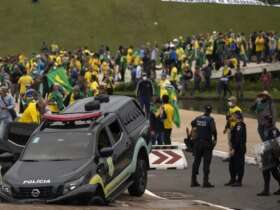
[[91, 23]]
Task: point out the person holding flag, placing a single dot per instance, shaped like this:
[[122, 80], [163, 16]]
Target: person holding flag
[[59, 77], [58, 80], [171, 92], [55, 100], [169, 112]]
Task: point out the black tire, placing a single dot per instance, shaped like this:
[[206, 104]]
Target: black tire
[[139, 179]]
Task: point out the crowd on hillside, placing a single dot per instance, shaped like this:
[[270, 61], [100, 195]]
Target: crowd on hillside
[[91, 73]]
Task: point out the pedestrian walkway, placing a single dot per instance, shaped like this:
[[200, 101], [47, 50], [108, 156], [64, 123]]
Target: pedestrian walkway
[[178, 134], [252, 68]]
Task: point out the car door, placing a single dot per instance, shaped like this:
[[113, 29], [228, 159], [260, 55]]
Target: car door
[[105, 164], [121, 144]]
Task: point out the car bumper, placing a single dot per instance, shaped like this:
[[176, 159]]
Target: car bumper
[[83, 191]]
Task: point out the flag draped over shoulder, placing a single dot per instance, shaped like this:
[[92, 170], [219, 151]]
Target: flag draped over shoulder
[[59, 76], [173, 101]]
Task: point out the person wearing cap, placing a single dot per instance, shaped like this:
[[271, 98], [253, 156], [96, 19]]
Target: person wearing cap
[[237, 152], [231, 118], [144, 93], [204, 142], [266, 116], [264, 110]]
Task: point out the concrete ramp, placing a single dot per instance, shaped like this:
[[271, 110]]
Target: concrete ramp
[[167, 157]]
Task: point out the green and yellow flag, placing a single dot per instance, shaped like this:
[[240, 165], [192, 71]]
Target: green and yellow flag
[[173, 101], [59, 76]]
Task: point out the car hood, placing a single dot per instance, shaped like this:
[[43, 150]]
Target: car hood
[[46, 172]]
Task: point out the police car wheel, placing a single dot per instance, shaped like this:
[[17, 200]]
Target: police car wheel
[[139, 179]]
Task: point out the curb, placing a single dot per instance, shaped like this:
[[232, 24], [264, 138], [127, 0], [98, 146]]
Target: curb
[[211, 205], [222, 154]]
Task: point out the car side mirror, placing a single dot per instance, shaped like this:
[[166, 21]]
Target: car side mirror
[[106, 152]]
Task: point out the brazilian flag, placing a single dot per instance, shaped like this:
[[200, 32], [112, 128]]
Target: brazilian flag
[[59, 76], [173, 101]]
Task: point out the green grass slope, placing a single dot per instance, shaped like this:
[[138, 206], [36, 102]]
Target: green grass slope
[[73, 23]]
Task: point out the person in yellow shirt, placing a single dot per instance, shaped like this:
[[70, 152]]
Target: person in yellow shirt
[[210, 49], [105, 67], [130, 57], [21, 59], [260, 47], [167, 114], [24, 81], [75, 95], [231, 117], [89, 74], [94, 86], [163, 83], [33, 113], [56, 100], [173, 76], [234, 62], [75, 63], [94, 63]]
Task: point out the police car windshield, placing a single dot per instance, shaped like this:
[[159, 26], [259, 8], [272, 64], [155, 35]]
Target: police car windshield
[[59, 146]]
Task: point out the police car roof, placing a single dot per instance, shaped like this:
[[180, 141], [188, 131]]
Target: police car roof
[[115, 103]]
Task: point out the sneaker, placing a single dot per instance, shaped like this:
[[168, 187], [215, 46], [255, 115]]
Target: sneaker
[[208, 185]]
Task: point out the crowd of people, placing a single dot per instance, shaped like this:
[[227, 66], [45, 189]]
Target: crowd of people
[[54, 78]]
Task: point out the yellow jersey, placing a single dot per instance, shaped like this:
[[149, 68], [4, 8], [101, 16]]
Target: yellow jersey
[[94, 86], [232, 120], [52, 106], [169, 111], [174, 72], [162, 85], [259, 44], [31, 114], [23, 82], [89, 74]]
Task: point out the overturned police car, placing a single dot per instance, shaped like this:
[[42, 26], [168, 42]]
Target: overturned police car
[[97, 148]]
